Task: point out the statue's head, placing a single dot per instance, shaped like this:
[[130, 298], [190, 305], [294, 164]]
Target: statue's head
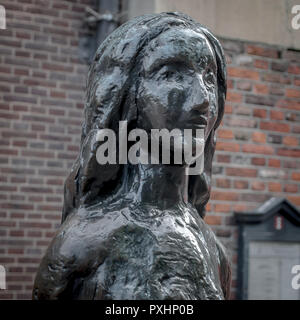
[[159, 71]]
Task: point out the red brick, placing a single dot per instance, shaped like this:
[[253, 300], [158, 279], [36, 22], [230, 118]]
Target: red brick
[[213, 220], [265, 100], [290, 141], [5, 69], [20, 143], [242, 73], [294, 199], [258, 161], [296, 176], [228, 108], [230, 83], [223, 158], [296, 129], [241, 122], [38, 225], [261, 64], [58, 94], [60, 5], [271, 77], [224, 196], [223, 183], [273, 126], [276, 115], [244, 85], [262, 51], [228, 146], [261, 88], [234, 97], [222, 207], [291, 188], [297, 81], [241, 172], [21, 72], [260, 113], [241, 184], [289, 104], [254, 198], [274, 186], [22, 54], [15, 251], [225, 134], [274, 163], [57, 67], [259, 137], [260, 149], [23, 35], [240, 207], [288, 152], [7, 223], [295, 69], [242, 110], [258, 185], [292, 93], [9, 152]]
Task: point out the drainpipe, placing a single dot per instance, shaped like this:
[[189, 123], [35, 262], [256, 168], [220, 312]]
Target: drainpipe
[[101, 20], [108, 11]]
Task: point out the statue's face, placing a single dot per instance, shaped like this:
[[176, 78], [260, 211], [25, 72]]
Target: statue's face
[[178, 87]]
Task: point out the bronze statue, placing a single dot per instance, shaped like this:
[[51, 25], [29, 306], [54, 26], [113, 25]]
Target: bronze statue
[[137, 231]]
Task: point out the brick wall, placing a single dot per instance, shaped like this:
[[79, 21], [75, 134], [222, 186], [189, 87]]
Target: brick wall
[[258, 153], [41, 100], [42, 90]]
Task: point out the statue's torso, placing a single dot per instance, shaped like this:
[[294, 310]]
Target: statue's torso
[[167, 255]]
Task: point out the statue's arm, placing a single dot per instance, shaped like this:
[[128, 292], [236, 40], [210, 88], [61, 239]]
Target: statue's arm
[[53, 277], [57, 267], [224, 269], [76, 251]]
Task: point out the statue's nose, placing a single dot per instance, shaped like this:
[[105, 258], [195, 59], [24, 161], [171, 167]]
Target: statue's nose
[[200, 96]]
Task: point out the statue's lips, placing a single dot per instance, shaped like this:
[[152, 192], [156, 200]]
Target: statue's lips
[[198, 123]]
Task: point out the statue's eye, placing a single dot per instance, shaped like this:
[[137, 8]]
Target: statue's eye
[[171, 74], [168, 74], [209, 78]]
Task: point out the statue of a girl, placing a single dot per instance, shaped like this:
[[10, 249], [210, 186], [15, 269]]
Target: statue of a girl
[[137, 231]]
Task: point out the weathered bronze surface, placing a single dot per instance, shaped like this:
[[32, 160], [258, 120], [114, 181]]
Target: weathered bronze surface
[[137, 231]]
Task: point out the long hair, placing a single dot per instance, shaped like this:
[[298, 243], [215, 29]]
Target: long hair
[[111, 92]]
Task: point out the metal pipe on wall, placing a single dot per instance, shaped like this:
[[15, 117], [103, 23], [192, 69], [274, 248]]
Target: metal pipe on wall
[[110, 23]]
